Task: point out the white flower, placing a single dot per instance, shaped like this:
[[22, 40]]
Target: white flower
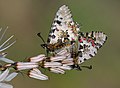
[[37, 58], [57, 58], [5, 45], [57, 70], [51, 64], [6, 77], [68, 61], [62, 52], [35, 73], [65, 67], [25, 65]]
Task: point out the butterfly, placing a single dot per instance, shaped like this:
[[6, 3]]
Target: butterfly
[[65, 38], [64, 31], [87, 46]]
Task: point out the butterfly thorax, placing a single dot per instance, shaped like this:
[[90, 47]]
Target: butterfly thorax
[[54, 47]]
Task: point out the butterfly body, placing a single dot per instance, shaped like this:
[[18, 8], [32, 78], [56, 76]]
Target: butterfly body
[[54, 47]]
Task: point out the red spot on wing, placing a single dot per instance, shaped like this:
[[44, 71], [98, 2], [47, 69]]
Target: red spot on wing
[[80, 40], [84, 38], [92, 41], [73, 39]]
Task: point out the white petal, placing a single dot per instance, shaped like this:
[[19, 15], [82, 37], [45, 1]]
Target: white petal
[[11, 76], [39, 77], [25, 63], [57, 70], [4, 85], [35, 70], [65, 67], [3, 33], [35, 73], [62, 52], [2, 48], [4, 75], [57, 58], [3, 55], [6, 60], [26, 67], [68, 61], [52, 64], [37, 58]]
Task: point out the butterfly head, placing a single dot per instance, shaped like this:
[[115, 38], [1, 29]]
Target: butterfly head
[[44, 46]]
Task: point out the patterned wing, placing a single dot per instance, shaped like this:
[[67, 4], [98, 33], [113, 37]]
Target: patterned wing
[[89, 43], [63, 28]]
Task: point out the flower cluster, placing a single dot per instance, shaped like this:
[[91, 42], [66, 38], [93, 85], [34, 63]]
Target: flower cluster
[[56, 64], [5, 75]]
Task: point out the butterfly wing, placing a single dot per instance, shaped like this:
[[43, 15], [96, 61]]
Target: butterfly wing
[[63, 27], [89, 43]]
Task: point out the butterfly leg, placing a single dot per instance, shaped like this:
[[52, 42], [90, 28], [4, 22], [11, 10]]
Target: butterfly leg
[[88, 67], [76, 67]]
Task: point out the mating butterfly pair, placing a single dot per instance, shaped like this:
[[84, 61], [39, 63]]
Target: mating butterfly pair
[[65, 35]]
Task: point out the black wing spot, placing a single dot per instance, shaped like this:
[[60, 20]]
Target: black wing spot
[[68, 35], [49, 35], [87, 34], [80, 53], [66, 39], [81, 47], [82, 34], [80, 61], [48, 40], [61, 18], [85, 59], [57, 16], [58, 22], [53, 30], [90, 55], [95, 53], [92, 34], [53, 36]]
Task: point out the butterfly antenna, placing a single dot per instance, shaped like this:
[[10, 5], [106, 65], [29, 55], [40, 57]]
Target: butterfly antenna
[[39, 35]]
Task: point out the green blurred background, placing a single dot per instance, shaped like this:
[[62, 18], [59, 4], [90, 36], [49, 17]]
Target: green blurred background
[[26, 18]]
